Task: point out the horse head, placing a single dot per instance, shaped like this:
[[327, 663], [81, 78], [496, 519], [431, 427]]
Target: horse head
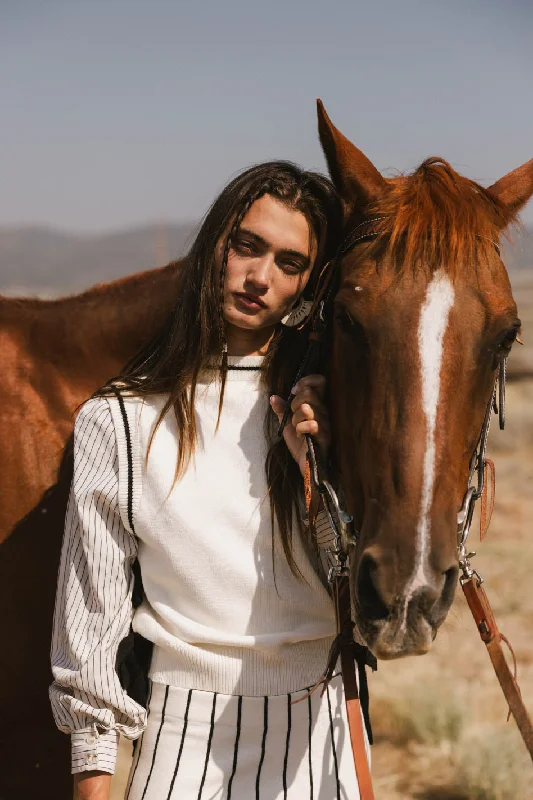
[[423, 316]]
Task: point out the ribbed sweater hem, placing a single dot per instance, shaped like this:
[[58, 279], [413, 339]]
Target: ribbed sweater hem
[[242, 671]]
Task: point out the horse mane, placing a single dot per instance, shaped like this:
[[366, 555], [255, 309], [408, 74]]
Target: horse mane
[[436, 217]]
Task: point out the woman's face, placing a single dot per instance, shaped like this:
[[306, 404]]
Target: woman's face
[[269, 264]]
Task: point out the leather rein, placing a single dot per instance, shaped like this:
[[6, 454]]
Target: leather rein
[[319, 493]]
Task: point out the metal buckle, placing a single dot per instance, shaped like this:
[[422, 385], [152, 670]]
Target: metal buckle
[[337, 517], [467, 570], [326, 489], [464, 521], [337, 571], [464, 517]]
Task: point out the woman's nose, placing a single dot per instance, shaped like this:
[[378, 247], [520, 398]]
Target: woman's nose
[[259, 273]]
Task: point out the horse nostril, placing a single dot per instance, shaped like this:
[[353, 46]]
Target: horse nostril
[[432, 602], [368, 596], [450, 583]]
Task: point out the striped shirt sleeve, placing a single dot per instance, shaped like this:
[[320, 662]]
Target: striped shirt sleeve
[[93, 609]]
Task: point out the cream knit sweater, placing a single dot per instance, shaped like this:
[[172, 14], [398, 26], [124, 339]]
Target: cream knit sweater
[[218, 618]]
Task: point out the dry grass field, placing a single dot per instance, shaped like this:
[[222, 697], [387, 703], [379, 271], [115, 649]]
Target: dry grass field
[[440, 720]]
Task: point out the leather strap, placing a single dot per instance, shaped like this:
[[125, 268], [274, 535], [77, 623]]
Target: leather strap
[[355, 723], [487, 498], [351, 692], [312, 498], [345, 645], [488, 630]]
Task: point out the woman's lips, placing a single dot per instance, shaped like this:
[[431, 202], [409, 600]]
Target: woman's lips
[[249, 301]]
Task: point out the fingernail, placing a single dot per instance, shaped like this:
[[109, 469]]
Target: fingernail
[[294, 388]]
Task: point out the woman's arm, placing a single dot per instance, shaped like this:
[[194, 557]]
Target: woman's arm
[[93, 603], [92, 786]]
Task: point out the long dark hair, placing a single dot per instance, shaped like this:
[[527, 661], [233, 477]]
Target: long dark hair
[[193, 333]]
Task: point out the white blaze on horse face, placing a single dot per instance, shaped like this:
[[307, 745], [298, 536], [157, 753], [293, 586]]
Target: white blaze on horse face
[[432, 328]]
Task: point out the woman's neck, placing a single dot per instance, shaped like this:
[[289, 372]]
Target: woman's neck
[[242, 342]]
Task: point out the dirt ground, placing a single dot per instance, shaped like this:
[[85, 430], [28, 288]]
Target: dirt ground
[[440, 720]]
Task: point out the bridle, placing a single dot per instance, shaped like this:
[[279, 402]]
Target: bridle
[[319, 490], [320, 320], [478, 464]]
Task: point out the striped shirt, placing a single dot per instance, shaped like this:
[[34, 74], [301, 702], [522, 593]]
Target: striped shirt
[[93, 606]]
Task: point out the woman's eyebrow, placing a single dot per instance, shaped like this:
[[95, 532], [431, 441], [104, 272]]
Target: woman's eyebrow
[[286, 251]]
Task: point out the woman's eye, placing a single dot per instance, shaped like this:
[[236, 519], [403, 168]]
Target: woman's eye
[[242, 246], [292, 266]]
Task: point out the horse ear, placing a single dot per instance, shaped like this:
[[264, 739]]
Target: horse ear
[[355, 177], [515, 188]]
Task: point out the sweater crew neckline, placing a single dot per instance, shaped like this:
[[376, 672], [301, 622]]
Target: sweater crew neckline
[[240, 368], [245, 362]]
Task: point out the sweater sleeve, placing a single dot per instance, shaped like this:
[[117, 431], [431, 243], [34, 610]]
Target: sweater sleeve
[[93, 609]]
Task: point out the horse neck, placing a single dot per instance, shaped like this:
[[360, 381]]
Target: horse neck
[[99, 330], [130, 312]]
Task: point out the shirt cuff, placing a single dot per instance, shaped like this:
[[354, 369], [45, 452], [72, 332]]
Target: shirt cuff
[[94, 750]]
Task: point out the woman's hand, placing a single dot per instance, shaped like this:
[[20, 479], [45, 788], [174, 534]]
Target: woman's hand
[[92, 785], [309, 415]]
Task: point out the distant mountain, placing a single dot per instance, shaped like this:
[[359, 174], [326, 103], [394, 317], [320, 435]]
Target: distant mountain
[[46, 262]]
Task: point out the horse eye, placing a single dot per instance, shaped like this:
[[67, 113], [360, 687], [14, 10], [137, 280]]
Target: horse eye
[[508, 341], [511, 335]]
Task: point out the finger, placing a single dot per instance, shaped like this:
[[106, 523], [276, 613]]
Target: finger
[[323, 426], [310, 397], [317, 382], [320, 434], [305, 412], [308, 426]]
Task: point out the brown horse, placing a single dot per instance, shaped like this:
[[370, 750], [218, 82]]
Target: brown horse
[[54, 355], [423, 314]]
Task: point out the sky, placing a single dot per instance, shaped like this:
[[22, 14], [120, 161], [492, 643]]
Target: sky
[[121, 112]]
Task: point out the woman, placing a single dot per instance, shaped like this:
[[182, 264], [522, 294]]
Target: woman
[[182, 470]]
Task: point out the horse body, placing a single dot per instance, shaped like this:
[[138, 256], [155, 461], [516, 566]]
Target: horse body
[[55, 354]]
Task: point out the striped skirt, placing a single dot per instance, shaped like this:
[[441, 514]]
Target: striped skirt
[[203, 745]]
